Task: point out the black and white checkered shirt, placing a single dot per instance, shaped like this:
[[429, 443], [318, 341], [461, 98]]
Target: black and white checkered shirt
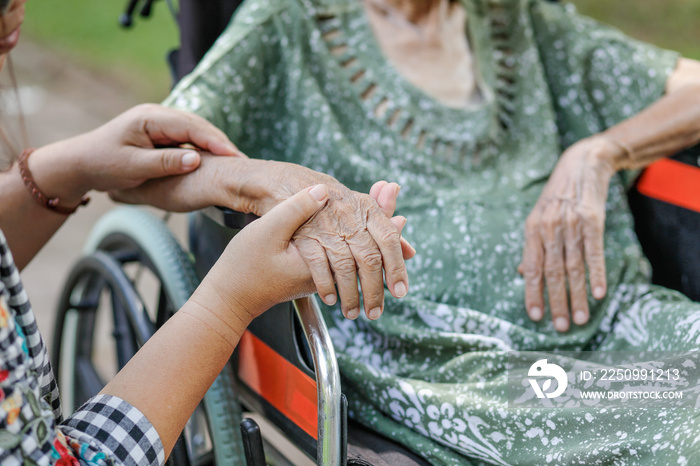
[[104, 431]]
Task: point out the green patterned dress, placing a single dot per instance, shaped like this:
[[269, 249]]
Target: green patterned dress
[[301, 80]]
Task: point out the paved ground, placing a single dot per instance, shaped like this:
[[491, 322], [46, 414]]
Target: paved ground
[[61, 100]]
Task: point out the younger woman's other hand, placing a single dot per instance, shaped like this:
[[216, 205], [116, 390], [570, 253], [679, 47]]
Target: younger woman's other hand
[[148, 141]]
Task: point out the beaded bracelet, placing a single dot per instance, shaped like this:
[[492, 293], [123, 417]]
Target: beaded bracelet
[[37, 195]]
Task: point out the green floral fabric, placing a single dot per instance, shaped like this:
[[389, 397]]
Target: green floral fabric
[[301, 81]]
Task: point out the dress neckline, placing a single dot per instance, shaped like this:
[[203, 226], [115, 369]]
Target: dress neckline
[[466, 134]]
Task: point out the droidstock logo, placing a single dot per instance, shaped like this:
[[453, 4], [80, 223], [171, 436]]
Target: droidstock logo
[[547, 371]]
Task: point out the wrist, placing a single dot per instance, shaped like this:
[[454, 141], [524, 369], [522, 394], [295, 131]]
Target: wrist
[[256, 186], [56, 173], [217, 308], [612, 153]]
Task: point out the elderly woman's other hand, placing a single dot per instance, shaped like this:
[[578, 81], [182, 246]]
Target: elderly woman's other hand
[[353, 236], [564, 234]]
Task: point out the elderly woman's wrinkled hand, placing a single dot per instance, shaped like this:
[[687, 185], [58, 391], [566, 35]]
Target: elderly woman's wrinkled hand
[[355, 236], [564, 234], [350, 237]]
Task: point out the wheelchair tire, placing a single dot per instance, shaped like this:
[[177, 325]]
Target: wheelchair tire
[[123, 237]]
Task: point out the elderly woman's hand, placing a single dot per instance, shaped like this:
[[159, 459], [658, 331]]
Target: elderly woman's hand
[[353, 235], [564, 233]]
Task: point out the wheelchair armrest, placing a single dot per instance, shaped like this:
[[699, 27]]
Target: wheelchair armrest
[[665, 202]]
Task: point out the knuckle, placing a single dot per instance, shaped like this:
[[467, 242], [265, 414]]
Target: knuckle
[[395, 270], [531, 273], [551, 222], [389, 235], [554, 274], [167, 162], [595, 255], [574, 264], [370, 260], [324, 284], [533, 283], [372, 296], [572, 222], [575, 274], [315, 259], [344, 266]]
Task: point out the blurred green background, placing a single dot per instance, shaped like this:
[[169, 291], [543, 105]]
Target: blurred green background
[[87, 32]]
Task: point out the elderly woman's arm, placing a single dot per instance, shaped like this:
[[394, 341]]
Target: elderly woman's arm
[[564, 232]]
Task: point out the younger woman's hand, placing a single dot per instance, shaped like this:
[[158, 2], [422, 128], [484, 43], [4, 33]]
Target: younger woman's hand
[[261, 266], [148, 141]]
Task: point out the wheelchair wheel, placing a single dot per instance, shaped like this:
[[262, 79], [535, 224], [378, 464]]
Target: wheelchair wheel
[[133, 277]]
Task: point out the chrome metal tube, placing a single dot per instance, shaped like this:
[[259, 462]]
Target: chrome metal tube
[[328, 450]]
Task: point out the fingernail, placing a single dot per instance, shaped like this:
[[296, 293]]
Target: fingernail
[[580, 318], [189, 160], [375, 313], [319, 192], [353, 314], [329, 299], [561, 324], [400, 289], [535, 313], [599, 292]]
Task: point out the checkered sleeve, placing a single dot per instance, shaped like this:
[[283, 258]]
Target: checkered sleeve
[[117, 428]]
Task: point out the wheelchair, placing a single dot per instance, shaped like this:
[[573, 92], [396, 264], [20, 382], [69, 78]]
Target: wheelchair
[[134, 275]]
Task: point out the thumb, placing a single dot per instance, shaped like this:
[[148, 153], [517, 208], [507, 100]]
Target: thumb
[[286, 217], [156, 163]]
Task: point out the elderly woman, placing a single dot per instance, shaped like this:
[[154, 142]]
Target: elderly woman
[[505, 122]]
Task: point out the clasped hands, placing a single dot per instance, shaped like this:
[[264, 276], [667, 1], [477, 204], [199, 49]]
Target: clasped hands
[[146, 156], [564, 234]]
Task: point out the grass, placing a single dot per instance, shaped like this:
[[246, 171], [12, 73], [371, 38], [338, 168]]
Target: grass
[[671, 24], [87, 31]]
